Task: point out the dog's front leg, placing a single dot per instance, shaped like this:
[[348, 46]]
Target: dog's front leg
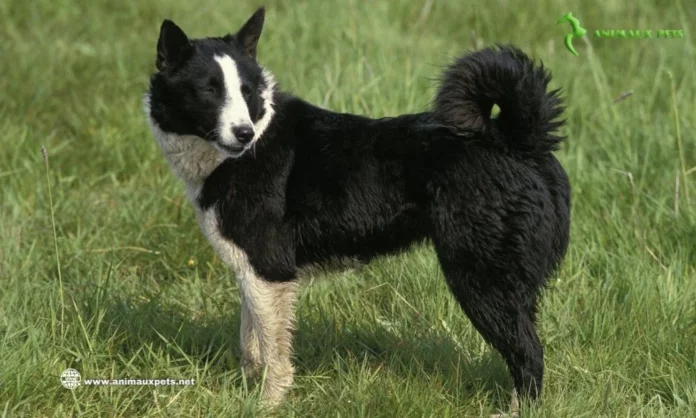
[[270, 313], [267, 313], [249, 342], [284, 302]]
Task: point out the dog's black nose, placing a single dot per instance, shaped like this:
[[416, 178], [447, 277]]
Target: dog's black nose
[[244, 133]]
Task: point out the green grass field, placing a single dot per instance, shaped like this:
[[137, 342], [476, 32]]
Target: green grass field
[[103, 269]]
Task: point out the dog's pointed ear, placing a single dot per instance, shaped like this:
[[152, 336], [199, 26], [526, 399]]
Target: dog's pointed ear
[[248, 36], [171, 45]]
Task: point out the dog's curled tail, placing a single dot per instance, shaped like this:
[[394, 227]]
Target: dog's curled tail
[[529, 114]]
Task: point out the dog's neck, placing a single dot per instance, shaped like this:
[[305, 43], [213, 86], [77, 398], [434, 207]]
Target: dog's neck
[[268, 96], [191, 158]]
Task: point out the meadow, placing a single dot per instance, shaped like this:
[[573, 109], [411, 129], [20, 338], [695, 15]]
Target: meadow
[[103, 268]]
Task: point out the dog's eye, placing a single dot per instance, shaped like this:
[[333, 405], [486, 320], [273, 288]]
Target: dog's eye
[[246, 90], [213, 87]]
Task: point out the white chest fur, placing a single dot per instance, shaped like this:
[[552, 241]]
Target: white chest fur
[[228, 252], [191, 158]]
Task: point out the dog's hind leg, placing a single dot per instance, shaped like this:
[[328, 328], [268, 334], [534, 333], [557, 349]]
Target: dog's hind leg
[[514, 408], [503, 310], [500, 299]]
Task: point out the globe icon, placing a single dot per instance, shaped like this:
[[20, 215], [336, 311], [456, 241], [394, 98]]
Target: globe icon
[[70, 378]]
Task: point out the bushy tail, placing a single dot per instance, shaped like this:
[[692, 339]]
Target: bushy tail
[[529, 114]]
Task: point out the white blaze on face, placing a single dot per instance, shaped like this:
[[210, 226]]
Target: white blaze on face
[[234, 112]]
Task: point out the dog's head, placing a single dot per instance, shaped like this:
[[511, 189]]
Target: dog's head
[[212, 88]]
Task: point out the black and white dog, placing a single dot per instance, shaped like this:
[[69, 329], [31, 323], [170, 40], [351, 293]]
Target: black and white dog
[[279, 184]]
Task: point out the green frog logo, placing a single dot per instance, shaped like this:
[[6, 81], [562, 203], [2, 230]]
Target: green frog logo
[[578, 31]]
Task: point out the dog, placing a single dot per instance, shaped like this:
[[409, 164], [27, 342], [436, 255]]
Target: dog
[[279, 184]]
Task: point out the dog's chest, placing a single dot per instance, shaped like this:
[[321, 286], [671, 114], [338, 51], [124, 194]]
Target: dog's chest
[[230, 253]]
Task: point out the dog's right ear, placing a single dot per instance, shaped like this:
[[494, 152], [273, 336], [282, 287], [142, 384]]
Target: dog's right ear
[[248, 36], [171, 45]]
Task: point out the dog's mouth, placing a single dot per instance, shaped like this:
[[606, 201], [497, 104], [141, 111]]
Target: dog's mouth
[[234, 151]]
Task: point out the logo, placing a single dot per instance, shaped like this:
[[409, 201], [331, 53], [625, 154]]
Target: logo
[[70, 378], [578, 31]]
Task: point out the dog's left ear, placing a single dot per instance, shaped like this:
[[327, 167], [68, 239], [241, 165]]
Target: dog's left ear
[[248, 36], [171, 45]]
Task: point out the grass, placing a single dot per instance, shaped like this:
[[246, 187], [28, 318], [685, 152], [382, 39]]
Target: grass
[[102, 267]]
